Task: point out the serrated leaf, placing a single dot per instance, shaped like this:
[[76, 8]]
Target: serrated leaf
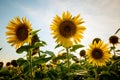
[[23, 48], [75, 47]]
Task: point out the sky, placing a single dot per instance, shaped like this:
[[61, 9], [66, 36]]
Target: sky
[[101, 17]]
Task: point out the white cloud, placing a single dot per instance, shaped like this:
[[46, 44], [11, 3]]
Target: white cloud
[[102, 17]]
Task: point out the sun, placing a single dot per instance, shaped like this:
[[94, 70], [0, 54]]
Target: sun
[[98, 53], [18, 32], [67, 30]]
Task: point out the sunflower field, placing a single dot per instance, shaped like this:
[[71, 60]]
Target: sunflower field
[[101, 61]]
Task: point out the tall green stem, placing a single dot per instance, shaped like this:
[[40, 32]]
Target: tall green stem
[[114, 50], [96, 74], [68, 61], [68, 58], [31, 64]]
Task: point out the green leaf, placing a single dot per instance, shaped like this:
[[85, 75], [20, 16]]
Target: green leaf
[[61, 57], [38, 75], [57, 46], [117, 50], [105, 73], [112, 48], [21, 61], [70, 56], [34, 32], [39, 61], [50, 53], [26, 67], [52, 74], [4, 72], [23, 48], [75, 47], [38, 44], [43, 42]]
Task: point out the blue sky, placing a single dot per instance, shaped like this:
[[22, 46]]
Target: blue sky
[[102, 19]]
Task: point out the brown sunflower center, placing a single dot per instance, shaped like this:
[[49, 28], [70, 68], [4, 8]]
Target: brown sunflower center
[[22, 32], [67, 29], [97, 53]]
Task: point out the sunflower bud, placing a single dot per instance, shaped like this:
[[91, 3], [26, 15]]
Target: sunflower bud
[[114, 39], [82, 53], [74, 58], [96, 40]]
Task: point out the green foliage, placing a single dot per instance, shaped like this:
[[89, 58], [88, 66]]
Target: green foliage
[[117, 50], [50, 53], [75, 47], [34, 32], [45, 65], [57, 46], [24, 48], [52, 74], [39, 61], [21, 61]]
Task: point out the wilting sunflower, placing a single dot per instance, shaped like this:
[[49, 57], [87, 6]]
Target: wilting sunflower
[[98, 53], [19, 32], [67, 30]]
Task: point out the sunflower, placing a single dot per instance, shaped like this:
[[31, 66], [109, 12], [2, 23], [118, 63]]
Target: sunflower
[[98, 53], [18, 32], [67, 30]]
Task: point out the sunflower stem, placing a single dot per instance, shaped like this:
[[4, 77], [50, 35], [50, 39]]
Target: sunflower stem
[[68, 61], [31, 64], [114, 50], [96, 73]]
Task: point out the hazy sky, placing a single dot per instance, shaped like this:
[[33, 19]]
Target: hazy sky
[[102, 19]]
